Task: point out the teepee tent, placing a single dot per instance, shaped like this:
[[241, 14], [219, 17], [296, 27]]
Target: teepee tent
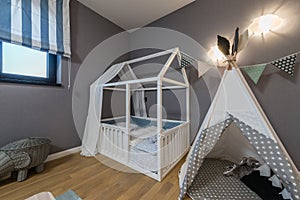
[[235, 127]]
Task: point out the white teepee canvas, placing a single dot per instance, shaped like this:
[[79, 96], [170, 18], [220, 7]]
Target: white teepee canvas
[[234, 103]]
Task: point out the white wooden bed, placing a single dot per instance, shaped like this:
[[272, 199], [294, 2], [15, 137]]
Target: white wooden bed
[[153, 149]]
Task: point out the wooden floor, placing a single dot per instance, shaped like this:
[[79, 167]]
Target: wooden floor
[[91, 179]]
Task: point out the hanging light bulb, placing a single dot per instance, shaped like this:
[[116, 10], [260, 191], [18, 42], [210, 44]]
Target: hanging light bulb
[[265, 23]]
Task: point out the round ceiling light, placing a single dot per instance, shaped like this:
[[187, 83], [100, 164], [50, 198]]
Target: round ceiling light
[[265, 23]]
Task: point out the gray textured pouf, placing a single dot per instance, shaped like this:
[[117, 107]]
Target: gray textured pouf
[[22, 155]]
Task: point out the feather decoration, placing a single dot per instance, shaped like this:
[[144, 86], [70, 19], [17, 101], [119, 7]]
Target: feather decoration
[[223, 45], [235, 42], [243, 40]]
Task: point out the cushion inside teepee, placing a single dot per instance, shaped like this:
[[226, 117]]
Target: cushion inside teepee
[[210, 183]]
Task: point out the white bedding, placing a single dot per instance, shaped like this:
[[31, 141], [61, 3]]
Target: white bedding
[[144, 148], [144, 160], [131, 126], [148, 145], [144, 132]]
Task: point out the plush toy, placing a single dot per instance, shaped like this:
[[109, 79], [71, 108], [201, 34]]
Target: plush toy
[[245, 167]]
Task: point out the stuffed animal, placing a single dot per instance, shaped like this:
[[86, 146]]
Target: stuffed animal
[[245, 167]]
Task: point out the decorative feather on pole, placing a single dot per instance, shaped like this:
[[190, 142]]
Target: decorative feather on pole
[[235, 42], [243, 40], [224, 46]]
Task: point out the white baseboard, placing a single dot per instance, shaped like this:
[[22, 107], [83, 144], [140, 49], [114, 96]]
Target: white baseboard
[[62, 153]]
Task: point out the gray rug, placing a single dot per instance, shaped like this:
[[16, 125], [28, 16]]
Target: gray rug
[[69, 195]]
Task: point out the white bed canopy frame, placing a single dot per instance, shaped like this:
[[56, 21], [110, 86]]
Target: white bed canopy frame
[[160, 79], [166, 158]]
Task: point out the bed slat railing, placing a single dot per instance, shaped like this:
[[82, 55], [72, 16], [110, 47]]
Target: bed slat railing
[[114, 142], [174, 143]]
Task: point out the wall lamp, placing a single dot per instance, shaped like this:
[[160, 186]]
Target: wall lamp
[[260, 26], [263, 24]]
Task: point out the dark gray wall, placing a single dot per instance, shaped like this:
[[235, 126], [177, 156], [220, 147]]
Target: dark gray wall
[[46, 111], [278, 93]]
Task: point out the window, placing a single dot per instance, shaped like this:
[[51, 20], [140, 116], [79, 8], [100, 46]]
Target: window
[[25, 65]]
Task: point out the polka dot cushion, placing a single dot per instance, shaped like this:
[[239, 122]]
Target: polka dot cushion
[[210, 183]]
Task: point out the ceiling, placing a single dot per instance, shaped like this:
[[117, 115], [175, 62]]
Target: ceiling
[[130, 14]]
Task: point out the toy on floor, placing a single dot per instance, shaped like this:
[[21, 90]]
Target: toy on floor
[[22, 155], [245, 167]]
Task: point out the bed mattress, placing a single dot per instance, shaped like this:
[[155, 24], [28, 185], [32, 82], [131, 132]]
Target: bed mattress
[[137, 123]]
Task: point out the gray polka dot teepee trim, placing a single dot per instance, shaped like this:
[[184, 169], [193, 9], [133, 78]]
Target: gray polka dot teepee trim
[[210, 135]]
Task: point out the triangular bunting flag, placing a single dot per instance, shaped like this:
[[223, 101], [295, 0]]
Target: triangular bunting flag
[[186, 60], [285, 194], [275, 181], [286, 64], [264, 170], [203, 68], [254, 71]]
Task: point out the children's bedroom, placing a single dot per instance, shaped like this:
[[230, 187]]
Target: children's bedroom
[[136, 99]]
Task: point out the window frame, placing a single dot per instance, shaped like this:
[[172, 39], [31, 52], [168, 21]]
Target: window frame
[[51, 79]]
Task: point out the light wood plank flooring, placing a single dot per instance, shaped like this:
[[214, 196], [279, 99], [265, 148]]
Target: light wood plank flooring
[[91, 180]]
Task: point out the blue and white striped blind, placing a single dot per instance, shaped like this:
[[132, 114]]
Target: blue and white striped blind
[[39, 24]]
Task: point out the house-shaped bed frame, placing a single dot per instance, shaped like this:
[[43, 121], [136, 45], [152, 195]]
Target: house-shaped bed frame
[[118, 142]]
